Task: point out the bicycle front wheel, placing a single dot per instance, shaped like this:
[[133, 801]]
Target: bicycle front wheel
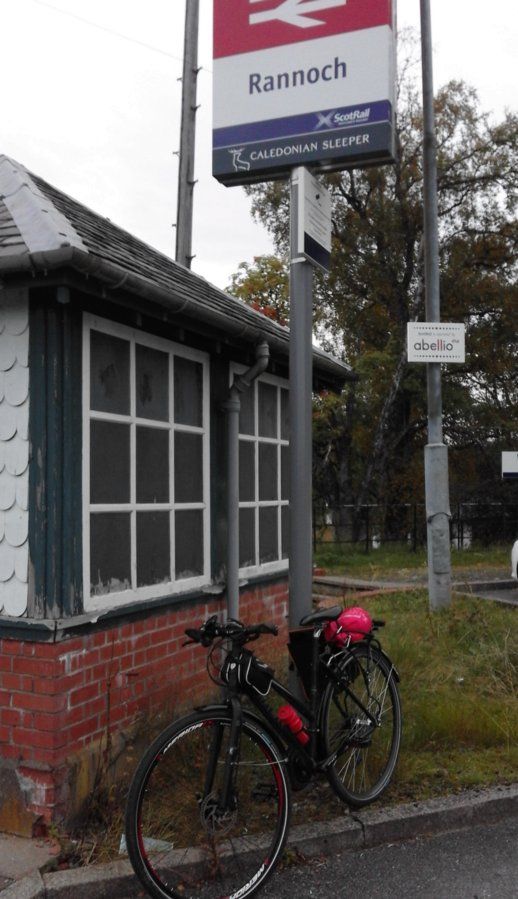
[[366, 745], [182, 843]]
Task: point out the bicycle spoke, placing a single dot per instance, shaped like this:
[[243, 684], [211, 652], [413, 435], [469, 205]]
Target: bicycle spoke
[[362, 727], [186, 843]]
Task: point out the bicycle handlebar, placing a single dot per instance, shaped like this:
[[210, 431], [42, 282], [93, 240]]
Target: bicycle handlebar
[[232, 629], [236, 631]]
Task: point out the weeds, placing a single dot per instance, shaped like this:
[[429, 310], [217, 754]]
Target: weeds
[[459, 692]]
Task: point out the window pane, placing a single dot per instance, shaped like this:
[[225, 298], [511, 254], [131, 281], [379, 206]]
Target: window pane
[[109, 373], [267, 410], [267, 471], [110, 554], [285, 415], [285, 536], [109, 462], [246, 471], [188, 392], [268, 545], [285, 472], [152, 465], [152, 383], [189, 543], [246, 413], [246, 537], [188, 468], [153, 548]]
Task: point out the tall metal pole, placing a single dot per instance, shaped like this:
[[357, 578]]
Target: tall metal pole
[[436, 453], [186, 180], [301, 314]]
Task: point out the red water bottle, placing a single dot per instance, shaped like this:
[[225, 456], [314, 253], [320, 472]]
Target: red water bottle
[[288, 716]]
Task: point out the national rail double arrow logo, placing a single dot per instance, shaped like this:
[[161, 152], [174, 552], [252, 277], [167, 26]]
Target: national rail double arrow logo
[[294, 12]]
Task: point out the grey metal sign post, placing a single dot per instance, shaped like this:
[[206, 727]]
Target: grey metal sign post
[[310, 238], [436, 453], [301, 315]]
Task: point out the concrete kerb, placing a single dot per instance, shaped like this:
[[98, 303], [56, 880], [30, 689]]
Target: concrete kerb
[[95, 882], [438, 815], [363, 829], [355, 830], [30, 887]]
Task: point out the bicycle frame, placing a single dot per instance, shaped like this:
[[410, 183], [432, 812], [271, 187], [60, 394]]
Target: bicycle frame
[[311, 711]]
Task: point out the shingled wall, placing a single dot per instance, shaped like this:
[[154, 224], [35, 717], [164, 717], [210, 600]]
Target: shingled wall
[[14, 454]]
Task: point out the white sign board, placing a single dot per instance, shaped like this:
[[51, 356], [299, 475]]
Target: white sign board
[[313, 220], [435, 342], [301, 82], [510, 465]]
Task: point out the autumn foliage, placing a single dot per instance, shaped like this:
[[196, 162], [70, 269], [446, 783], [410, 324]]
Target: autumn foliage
[[369, 441]]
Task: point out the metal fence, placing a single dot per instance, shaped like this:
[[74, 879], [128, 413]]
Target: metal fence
[[372, 525]]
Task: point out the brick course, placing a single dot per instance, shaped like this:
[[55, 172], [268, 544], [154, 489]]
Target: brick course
[[56, 699]]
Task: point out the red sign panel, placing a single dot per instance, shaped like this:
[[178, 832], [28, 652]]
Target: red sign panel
[[243, 26]]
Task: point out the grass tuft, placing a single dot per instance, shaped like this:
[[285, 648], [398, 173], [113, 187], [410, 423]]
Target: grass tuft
[[399, 561], [459, 690]]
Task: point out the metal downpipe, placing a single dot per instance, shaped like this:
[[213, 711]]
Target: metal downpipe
[[232, 407]]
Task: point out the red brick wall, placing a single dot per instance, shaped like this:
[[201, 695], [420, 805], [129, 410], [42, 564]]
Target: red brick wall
[[57, 699]]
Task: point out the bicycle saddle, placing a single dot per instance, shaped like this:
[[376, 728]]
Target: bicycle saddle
[[322, 615]]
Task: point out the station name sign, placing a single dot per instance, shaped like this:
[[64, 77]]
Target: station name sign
[[301, 82]]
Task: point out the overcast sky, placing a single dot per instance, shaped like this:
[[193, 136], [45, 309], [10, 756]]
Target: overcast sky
[[95, 108]]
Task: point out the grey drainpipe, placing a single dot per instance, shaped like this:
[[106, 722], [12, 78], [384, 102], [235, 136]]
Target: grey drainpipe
[[232, 407]]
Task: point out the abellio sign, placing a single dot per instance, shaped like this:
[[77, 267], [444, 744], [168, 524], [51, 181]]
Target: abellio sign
[[301, 82], [436, 342]]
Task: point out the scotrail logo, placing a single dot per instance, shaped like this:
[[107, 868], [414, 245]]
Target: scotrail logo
[[338, 118]]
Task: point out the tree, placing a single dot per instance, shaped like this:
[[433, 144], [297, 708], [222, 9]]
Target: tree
[[264, 286], [375, 288]]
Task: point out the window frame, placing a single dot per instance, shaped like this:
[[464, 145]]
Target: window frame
[[94, 601], [281, 564]]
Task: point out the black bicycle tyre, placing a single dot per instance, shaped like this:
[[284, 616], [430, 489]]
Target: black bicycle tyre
[[358, 755], [193, 877]]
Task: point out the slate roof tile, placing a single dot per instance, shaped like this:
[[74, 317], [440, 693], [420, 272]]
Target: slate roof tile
[[69, 223], [9, 234]]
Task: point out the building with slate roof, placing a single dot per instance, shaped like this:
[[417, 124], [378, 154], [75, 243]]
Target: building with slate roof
[[114, 365]]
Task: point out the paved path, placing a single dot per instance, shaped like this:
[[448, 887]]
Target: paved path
[[510, 597], [497, 586], [477, 863]]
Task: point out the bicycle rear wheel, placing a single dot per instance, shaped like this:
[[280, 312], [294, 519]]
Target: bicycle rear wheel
[[181, 843], [367, 750]]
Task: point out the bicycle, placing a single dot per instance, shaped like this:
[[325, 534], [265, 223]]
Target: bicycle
[[208, 809]]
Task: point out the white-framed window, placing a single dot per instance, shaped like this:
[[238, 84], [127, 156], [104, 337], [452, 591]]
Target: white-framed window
[[145, 465], [263, 476]]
